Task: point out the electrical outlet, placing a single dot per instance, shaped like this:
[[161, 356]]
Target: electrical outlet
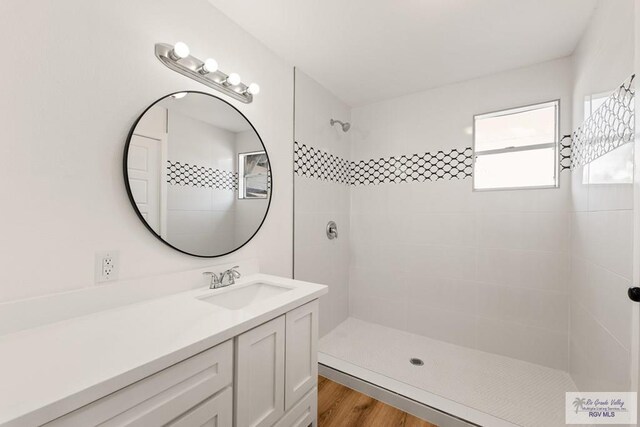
[[107, 266]]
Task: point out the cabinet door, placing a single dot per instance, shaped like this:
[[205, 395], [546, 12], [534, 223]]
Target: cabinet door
[[304, 413], [302, 352], [214, 412], [260, 375]]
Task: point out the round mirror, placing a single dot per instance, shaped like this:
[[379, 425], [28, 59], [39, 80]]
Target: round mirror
[[197, 174]]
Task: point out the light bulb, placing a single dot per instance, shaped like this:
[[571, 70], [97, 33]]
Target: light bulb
[[180, 51], [234, 79], [179, 95], [210, 66], [253, 89]]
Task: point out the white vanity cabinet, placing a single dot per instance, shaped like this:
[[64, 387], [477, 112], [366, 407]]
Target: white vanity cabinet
[[166, 396], [243, 355], [266, 376], [276, 371]]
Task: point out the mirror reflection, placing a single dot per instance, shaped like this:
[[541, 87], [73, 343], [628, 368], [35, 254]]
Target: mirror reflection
[[613, 166], [198, 174]]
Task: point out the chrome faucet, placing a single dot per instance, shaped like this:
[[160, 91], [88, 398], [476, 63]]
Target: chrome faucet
[[226, 278]]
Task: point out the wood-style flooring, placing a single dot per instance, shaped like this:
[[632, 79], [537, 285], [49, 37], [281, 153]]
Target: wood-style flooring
[[340, 406]]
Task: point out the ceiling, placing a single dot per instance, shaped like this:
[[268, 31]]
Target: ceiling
[[368, 50]]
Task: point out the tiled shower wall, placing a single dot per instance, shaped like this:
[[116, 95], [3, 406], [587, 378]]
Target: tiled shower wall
[[487, 270], [602, 266], [602, 212], [318, 201]]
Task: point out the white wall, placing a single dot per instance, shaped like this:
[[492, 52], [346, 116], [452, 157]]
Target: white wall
[[317, 202], [487, 270], [602, 218], [604, 57], [80, 75]]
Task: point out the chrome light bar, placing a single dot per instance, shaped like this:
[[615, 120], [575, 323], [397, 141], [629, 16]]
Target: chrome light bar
[[179, 60]]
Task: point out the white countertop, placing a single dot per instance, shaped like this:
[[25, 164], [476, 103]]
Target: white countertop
[[48, 371]]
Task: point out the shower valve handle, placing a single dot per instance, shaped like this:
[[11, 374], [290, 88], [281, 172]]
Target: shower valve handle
[[634, 294], [332, 230]]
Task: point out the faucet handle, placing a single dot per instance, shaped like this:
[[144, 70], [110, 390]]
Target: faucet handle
[[215, 279], [231, 274], [234, 271]]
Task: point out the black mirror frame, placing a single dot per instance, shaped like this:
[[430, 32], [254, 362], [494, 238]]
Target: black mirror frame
[[130, 194]]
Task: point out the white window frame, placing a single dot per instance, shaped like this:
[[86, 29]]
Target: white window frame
[[516, 110], [241, 179]]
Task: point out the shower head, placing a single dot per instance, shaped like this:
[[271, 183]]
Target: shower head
[[344, 125]]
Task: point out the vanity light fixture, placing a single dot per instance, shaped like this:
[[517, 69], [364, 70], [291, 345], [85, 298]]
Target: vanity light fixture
[[253, 89], [179, 51], [210, 66], [179, 60], [233, 79]]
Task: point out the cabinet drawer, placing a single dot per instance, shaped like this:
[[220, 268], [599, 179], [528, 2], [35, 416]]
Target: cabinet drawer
[[162, 397], [214, 412], [303, 413]]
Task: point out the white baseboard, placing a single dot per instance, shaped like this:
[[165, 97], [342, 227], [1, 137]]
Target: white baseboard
[[409, 406]]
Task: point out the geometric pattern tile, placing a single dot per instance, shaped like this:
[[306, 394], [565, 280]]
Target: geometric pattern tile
[[565, 153], [455, 163], [609, 127], [313, 163], [200, 176]]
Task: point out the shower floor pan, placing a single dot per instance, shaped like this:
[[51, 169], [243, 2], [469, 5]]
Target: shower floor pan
[[482, 388]]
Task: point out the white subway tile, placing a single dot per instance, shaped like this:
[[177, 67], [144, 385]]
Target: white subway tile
[[453, 327], [597, 358]]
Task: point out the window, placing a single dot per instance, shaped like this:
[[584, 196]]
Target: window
[[253, 175], [614, 167], [516, 148], [593, 102]]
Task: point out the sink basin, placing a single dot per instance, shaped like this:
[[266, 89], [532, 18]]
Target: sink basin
[[237, 298]]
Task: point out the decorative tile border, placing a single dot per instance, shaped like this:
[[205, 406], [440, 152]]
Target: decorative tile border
[[609, 127], [200, 176], [455, 163], [313, 163], [565, 153]]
